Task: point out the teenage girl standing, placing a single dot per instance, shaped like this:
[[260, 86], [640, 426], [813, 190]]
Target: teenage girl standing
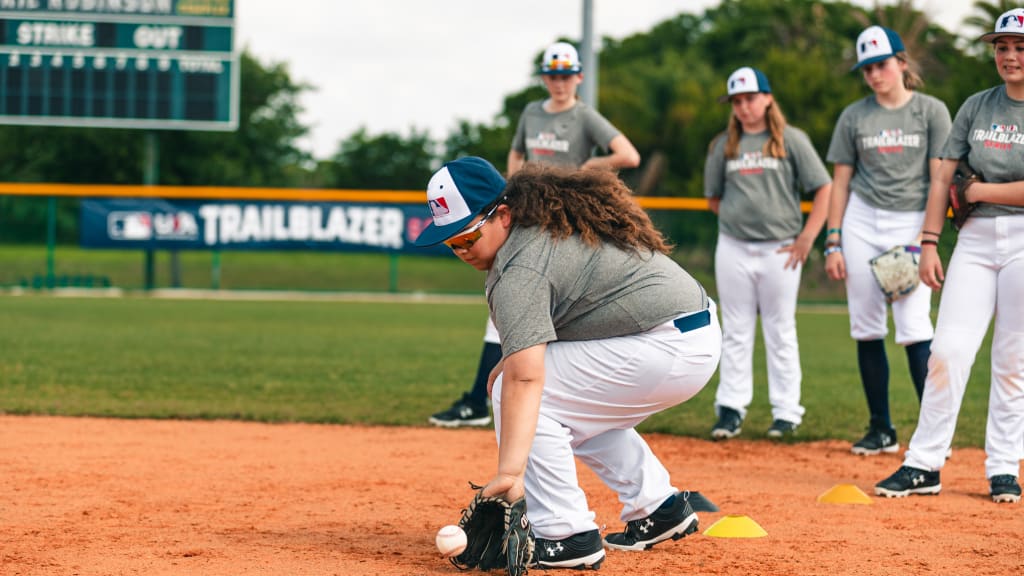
[[985, 279], [886, 150], [753, 177]]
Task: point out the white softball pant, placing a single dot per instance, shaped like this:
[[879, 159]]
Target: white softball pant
[[985, 277], [752, 279], [867, 232], [595, 393]]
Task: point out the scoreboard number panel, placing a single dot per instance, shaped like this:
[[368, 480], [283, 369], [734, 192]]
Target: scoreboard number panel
[[150, 64]]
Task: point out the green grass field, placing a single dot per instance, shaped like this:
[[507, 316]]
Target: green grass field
[[356, 362]]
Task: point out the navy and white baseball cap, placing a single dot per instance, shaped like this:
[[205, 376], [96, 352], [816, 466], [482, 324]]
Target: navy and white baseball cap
[[561, 58], [1009, 24], [456, 193], [875, 44], [746, 80]]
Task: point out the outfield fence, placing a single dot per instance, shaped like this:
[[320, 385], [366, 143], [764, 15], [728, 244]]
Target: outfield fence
[[393, 266]]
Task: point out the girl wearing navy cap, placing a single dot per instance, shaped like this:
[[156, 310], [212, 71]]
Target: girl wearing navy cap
[[886, 150], [600, 329], [754, 177], [985, 280]]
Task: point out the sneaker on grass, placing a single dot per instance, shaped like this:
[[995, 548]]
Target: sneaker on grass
[[579, 551], [907, 481], [464, 412], [675, 519], [781, 428], [877, 441], [729, 424], [1004, 488]]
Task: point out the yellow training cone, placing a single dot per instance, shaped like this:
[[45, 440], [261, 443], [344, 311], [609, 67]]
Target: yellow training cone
[[844, 494], [735, 526]]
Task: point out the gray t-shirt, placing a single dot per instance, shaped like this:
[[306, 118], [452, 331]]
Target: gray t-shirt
[[540, 290], [565, 138], [890, 149], [760, 194], [989, 130]]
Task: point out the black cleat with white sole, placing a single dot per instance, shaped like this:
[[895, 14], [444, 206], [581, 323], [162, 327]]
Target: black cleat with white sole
[[581, 551], [675, 519]]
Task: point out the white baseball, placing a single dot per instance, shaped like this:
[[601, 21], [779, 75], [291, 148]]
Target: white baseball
[[451, 541]]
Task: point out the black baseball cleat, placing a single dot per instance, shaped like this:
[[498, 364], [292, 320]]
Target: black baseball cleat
[[782, 428], [1004, 488], [729, 424], [876, 441], [908, 480], [581, 551], [675, 519], [464, 412]]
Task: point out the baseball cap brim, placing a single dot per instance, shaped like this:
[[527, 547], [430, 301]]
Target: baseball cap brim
[[560, 72], [993, 36], [434, 234], [872, 60]]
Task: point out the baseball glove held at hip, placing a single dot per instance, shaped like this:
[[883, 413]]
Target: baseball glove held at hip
[[963, 178], [498, 535], [896, 271]]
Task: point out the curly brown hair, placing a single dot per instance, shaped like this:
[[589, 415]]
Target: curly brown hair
[[593, 203]]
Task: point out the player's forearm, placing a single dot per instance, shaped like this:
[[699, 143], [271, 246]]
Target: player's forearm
[[521, 388], [624, 154], [1009, 193], [938, 197], [819, 212], [516, 160], [839, 196]]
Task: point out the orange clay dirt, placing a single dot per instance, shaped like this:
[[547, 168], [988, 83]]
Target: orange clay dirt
[[96, 496]]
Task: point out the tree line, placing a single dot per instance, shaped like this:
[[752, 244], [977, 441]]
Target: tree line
[[659, 87]]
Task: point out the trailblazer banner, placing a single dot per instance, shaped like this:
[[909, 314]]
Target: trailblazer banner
[[148, 223]]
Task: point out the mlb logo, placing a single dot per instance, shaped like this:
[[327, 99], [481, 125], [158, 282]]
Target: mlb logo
[[130, 226], [180, 225], [438, 206]]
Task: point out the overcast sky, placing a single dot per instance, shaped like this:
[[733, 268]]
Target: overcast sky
[[390, 65]]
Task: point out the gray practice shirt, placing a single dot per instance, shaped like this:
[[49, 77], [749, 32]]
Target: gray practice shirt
[[760, 194], [565, 138], [989, 130], [890, 149], [540, 290]]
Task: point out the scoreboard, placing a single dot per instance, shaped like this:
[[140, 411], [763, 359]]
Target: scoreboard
[[151, 64]]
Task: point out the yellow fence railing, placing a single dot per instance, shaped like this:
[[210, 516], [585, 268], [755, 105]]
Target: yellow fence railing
[[286, 194]]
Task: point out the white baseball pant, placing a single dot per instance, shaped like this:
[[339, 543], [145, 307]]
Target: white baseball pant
[[867, 232], [595, 393], [985, 277], [752, 279]]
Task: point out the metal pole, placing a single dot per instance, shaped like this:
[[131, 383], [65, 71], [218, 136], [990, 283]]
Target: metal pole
[[149, 178], [51, 240], [588, 90]]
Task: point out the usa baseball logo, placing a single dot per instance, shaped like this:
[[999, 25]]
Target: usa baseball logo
[[1004, 128]]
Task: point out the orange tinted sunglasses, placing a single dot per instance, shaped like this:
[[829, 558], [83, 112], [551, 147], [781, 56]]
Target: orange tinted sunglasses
[[467, 239]]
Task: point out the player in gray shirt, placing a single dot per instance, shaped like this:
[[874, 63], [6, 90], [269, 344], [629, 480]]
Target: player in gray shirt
[[886, 150], [562, 130], [754, 178], [600, 329], [985, 279], [559, 130]]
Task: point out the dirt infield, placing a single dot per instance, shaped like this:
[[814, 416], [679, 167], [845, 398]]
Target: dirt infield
[[96, 496]]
